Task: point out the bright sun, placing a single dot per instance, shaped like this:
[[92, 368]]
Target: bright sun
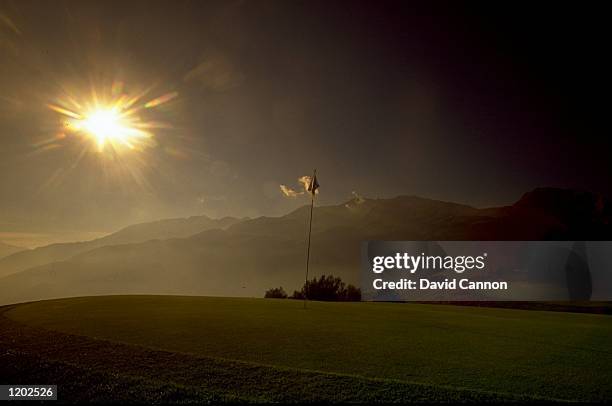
[[114, 121], [107, 125]]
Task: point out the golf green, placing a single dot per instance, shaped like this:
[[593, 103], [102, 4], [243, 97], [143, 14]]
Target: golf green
[[540, 354]]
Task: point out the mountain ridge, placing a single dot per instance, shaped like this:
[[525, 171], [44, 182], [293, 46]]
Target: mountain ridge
[[8, 249], [165, 228], [253, 255]]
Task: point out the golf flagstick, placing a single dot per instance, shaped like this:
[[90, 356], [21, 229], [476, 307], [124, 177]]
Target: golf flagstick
[[312, 188]]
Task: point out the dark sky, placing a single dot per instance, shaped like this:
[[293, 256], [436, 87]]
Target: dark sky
[[475, 106]]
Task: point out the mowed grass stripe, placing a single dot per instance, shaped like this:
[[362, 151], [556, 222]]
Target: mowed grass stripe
[[532, 353], [100, 370], [82, 385]]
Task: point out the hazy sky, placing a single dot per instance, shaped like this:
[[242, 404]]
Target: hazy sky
[[381, 98]]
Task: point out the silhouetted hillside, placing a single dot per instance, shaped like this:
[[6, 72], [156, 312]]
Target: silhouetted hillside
[[249, 257], [551, 214], [6, 249], [170, 228]]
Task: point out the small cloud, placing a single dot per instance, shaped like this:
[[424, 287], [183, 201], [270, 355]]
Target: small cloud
[[304, 181], [357, 200], [288, 192]]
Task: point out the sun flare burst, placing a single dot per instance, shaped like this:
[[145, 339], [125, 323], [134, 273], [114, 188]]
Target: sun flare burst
[[108, 125], [117, 124]]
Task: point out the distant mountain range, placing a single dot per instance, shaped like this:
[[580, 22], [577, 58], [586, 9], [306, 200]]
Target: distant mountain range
[[6, 249], [229, 257], [163, 229]]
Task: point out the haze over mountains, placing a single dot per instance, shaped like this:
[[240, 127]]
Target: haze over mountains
[[230, 257], [6, 249], [169, 228]]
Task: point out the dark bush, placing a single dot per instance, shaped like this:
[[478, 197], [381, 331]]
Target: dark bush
[[353, 294], [276, 293], [328, 288], [297, 294]]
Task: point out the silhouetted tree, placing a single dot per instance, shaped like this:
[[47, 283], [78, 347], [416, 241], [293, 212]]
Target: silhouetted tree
[[276, 293], [297, 294], [328, 288], [353, 294]]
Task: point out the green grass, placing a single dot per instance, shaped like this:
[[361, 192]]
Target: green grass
[[430, 351]]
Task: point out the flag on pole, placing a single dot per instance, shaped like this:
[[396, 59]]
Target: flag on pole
[[313, 185]]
